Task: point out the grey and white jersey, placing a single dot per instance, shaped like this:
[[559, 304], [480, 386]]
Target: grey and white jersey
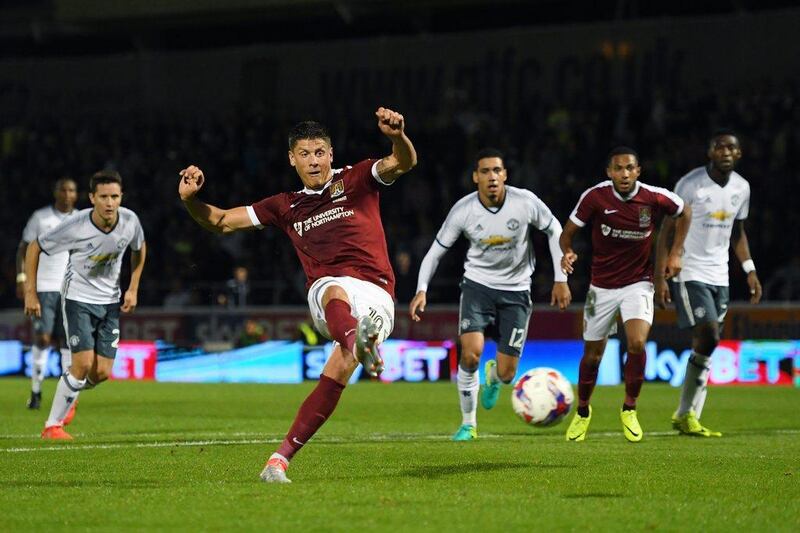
[[95, 257], [714, 211], [50, 274], [500, 254]]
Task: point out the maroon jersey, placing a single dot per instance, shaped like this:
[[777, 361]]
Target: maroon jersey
[[622, 230], [336, 231]]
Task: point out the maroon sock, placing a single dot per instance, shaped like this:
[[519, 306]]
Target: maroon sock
[[634, 376], [341, 323], [587, 378], [312, 414]]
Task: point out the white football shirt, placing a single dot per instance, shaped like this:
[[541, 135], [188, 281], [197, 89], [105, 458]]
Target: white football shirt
[[95, 257], [714, 210], [50, 274], [500, 254]]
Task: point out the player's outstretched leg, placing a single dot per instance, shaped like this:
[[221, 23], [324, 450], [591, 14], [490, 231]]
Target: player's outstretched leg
[[366, 348], [587, 378], [491, 386], [315, 410], [66, 392]]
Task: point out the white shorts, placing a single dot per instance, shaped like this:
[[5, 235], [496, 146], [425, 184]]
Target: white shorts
[[603, 305], [365, 299]]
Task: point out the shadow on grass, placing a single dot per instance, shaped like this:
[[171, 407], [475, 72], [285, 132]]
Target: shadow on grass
[[438, 471], [606, 495]]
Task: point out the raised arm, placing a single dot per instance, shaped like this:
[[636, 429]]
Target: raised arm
[[32, 305], [403, 157], [741, 247], [565, 242], [208, 216], [137, 266]]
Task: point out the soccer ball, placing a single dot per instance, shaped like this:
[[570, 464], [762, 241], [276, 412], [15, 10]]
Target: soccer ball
[[542, 397]]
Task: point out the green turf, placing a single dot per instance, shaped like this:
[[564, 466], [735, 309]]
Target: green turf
[[174, 456]]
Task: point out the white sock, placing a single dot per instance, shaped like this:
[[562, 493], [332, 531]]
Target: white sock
[[468, 386], [66, 359], [38, 364], [700, 403], [694, 382], [66, 393]]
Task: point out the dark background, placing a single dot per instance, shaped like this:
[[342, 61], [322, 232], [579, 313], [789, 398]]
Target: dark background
[[149, 87]]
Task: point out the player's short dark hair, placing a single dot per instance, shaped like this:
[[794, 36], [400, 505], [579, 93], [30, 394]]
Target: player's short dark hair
[[308, 129], [61, 181], [104, 176], [485, 153], [721, 132], [621, 150]]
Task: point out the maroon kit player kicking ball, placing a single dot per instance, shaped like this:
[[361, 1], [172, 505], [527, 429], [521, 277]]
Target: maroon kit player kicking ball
[[334, 223], [623, 213]]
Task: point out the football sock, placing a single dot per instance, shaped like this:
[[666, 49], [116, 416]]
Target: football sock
[[587, 378], [468, 386], [316, 409], [38, 364], [626, 407], [700, 402], [66, 392], [66, 359], [583, 411], [341, 323], [634, 377], [694, 383]]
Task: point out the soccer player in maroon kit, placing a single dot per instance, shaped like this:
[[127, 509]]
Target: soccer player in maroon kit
[[335, 226], [623, 213]]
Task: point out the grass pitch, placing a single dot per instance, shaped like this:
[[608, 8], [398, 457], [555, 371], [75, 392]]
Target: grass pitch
[[187, 457]]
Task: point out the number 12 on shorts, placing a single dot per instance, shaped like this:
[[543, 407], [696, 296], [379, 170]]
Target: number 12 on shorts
[[517, 338]]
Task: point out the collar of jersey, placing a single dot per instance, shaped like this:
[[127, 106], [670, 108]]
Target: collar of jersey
[[633, 193], [306, 190]]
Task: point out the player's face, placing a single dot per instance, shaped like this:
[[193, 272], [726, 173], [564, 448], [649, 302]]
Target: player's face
[[724, 152], [624, 170], [491, 178], [106, 200], [66, 195], [312, 158]]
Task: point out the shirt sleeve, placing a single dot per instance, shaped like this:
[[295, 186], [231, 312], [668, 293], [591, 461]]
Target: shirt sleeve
[[669, 202], [265, 212], [744, 209], [31, 230], [584, 209], [138, 236], [541, 216], [60, 238], [684, 190], [452, 227]]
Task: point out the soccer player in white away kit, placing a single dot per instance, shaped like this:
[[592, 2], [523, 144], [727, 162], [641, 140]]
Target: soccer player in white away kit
[[720, 201], [48, 327], [96, 240], [623, 213], [497, 221]]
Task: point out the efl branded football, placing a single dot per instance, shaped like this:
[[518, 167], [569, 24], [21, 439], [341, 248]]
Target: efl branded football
[[542, 397]]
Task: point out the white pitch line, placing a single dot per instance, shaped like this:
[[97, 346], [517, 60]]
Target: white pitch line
[[323, 440]]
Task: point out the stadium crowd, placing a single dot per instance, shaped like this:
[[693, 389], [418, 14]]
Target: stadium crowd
[[554, 148]]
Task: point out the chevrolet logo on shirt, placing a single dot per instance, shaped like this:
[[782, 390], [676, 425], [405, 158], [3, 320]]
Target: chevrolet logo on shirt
[[720, 215], [495, 240]]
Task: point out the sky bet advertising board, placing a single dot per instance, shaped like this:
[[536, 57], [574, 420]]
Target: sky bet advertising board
[[733, 362]]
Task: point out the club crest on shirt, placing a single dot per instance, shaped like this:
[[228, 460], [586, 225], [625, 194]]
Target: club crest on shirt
[[512, 224], [644, 217], [298, 227], [605, 229], [734, 199], [337, 188]]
